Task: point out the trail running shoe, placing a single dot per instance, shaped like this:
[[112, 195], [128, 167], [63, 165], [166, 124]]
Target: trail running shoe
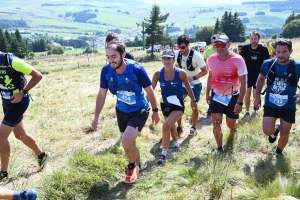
[[29, 195], [175, 149], [192, 131], [43, 161], [3, 178], [161, 159], [131, 175], [179, 131], [273, 137]]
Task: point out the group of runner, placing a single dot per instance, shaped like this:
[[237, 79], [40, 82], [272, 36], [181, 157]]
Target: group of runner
[[230, 77]]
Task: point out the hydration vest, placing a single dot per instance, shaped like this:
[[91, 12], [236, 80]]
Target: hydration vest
[[128, 81], [11, 80], [189, 63], [291, 72]]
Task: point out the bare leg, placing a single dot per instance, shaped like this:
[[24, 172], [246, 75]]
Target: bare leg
[[247, 98], [285, 128], [26, 138], [217, 130], [4, 146], [168, 126]]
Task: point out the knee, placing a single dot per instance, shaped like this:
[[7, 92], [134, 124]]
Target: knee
[[166, 128], [217, 124]]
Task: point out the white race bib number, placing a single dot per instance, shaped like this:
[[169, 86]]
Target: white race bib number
[[222, 99], [126, 97], [191, 84], [277, 99]]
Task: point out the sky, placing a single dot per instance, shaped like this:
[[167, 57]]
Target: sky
[[199, 2]]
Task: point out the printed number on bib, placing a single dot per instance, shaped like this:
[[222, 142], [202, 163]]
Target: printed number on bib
[[126, 97], [5, 95], [222, 99], [191, 84], [277, 99]]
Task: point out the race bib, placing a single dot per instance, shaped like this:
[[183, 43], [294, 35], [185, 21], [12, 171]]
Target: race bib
[[126, 97], [5, 95], [191, 84], [222, 99], [277, 99]]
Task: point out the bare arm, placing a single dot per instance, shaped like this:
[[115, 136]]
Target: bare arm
[[188, 88], [259, 85], [36, 76], [243, 80], [99, 105], [208, 87], [152, 99]]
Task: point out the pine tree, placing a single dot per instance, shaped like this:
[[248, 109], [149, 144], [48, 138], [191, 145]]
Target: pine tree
[[3, 42], [153, 28]]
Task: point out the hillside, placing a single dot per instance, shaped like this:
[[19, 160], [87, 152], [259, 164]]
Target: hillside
[[55, 18]]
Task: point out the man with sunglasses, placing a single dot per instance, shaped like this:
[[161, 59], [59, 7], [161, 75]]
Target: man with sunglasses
[[194, 66], [227, 84], [254, 55], [280, 99]]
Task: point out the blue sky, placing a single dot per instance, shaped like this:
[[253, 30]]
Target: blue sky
[[199, 2]]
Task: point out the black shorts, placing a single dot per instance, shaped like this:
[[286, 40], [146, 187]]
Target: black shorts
[[287, 114], [13, 113], [135, 119], [251, 80], [166, 110], [216, 107]]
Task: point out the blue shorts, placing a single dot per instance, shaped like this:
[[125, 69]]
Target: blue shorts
[[196, 89], [13, 113]]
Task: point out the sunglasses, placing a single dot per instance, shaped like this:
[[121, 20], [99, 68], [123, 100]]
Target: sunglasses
[[222, 46], [181, 47], [167, 58]]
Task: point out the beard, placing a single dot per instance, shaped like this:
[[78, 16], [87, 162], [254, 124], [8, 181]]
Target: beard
[[282, 59], [116, 65]]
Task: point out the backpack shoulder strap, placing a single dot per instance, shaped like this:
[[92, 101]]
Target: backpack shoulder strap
[[271, 71], [179, 59], [291, 71]]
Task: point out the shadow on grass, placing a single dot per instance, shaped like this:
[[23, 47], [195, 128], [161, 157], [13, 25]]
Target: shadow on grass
[[265, 170], [204, 121], [248, 118], [117, 192]]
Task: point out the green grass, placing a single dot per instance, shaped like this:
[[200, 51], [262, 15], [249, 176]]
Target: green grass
[[90, 165]]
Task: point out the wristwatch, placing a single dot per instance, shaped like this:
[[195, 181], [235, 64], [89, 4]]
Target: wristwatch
[[240, 103], [24, 91], [194, 77], [155, 110]]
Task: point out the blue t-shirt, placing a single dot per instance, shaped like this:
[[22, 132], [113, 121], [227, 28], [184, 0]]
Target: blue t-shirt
[[281, 88], [142, 79]]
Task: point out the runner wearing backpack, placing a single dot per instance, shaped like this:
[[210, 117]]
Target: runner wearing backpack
[[280, 99], [15, 101]]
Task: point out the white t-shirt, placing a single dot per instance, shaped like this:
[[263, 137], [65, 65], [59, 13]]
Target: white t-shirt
[[197, 62]]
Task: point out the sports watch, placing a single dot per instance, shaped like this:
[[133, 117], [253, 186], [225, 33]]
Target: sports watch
[[155, 110], [240, 103]]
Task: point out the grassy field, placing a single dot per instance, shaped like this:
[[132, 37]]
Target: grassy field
[[90, 165]]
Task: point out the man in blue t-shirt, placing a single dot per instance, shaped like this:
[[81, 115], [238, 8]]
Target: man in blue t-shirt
[[126, 80], [280, 98]]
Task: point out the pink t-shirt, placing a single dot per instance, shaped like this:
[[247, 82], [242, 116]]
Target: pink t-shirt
[[225, 73]]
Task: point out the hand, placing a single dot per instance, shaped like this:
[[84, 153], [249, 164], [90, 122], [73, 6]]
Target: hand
[[194, 105], [237, 109], [298, 99], [16, 98], [190, 79], [95, 124], [257, 103], [208, 99], [155, 118]]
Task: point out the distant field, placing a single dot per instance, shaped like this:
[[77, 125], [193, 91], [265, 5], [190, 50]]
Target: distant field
[[46, 19]]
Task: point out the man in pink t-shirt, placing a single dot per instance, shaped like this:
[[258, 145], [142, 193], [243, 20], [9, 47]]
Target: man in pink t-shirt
[[227, 84]]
